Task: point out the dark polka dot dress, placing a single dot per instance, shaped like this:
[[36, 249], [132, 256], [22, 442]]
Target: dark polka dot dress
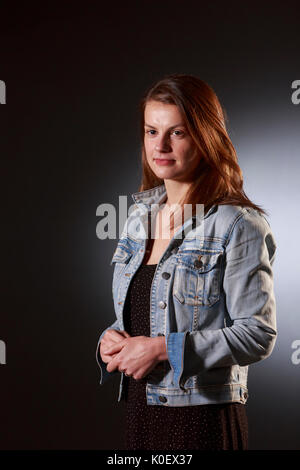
[[154, 427]]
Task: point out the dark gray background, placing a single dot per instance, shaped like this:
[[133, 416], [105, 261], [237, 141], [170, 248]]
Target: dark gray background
[[69, 141]]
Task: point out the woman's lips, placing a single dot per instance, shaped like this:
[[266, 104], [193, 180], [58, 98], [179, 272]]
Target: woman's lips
[[163, 161]]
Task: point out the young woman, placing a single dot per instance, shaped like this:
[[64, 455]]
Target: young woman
[[194, 298]]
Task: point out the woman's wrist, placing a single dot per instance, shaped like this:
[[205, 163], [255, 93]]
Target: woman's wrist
[[160, 348]]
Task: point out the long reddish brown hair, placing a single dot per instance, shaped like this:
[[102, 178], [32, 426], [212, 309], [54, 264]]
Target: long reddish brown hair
[[218, 177]]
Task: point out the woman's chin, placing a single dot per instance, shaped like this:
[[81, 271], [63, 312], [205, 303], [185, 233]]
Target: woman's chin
[[165, 173]]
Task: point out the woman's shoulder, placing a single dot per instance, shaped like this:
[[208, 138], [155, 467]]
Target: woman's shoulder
[[242, 221], [247, 225], [234, 213]]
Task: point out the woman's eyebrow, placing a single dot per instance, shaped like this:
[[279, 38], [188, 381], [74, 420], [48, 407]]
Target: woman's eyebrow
[[172, 127]]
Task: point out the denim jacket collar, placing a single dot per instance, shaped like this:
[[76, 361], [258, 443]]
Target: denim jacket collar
[[157, 195]]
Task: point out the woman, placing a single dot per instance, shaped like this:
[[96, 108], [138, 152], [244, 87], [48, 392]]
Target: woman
[[196, 307]]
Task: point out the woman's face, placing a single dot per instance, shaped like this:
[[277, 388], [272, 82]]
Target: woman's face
[[170, 150]]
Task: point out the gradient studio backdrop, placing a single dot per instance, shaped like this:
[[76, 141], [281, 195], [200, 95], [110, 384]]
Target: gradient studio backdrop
[[69, 139]]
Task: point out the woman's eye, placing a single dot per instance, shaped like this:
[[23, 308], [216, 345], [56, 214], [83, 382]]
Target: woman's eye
[[176, 132]]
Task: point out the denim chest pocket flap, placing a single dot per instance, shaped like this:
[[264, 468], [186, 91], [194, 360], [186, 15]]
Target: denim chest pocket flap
[[197, 279]]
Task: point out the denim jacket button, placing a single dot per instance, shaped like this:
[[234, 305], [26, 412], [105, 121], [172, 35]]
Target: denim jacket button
[[162, 399], [166, 275], [198, 263], [162, 304]]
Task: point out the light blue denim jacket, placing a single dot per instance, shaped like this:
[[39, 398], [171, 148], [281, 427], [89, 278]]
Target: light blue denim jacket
[[215, 307]]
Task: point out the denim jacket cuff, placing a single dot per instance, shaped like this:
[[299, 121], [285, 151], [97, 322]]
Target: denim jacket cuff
[[175, 344]]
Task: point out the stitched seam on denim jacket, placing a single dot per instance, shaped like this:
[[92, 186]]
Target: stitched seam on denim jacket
[[236, 220], [206, 387]]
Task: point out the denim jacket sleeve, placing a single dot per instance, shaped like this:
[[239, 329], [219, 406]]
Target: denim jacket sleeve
[[104, 374], [250, 304]]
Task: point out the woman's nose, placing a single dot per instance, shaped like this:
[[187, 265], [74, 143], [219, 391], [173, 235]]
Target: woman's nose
[[163, 144]]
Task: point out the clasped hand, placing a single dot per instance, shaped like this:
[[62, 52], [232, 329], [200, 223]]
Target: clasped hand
[[134, 355]]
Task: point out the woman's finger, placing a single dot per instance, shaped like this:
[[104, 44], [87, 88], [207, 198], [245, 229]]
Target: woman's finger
[[115, 348], [116, 335]]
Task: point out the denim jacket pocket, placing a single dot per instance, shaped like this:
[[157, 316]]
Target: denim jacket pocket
[[197, 278]]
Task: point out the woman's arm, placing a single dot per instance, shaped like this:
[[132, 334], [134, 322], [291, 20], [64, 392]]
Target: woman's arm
[[250, 302]]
